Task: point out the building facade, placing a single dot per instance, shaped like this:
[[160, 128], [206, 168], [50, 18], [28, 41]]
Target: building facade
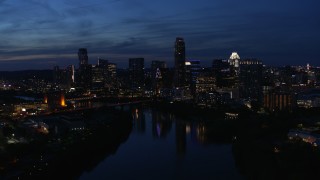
[[83, 56], [136, 73], [179, 59]]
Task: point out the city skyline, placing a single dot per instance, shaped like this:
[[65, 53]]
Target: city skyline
[[278, 33], [137, 89]]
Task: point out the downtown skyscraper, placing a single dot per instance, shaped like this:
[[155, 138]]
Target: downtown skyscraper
[[179, 62], [83, 56], [136, 73], [84, 79]]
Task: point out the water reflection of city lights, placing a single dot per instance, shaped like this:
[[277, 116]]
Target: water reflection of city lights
[[158, 129], [188, 129], [201, 133], [135, 114]]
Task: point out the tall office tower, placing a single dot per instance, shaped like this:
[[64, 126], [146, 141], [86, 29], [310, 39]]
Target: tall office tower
[[234, 62], [192, 72], [136, 70], [85, 77], [250, 79], [179, 59], [222, 73], [83, 56], [103, 65], [109, 72], [56, 75], [98, 79], [234, 59], [111, 80], [112, 72], [206, 82]]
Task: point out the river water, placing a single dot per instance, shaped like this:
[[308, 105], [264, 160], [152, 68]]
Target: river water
[[164, 146]]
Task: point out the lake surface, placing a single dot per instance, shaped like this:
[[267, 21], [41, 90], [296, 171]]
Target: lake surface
[[163, 146]]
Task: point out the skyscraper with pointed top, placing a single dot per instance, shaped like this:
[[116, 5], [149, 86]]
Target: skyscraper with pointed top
[[180, 60]]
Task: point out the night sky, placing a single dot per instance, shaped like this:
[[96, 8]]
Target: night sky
[[39, 34]]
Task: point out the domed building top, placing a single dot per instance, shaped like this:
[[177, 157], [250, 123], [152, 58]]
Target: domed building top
[[234, 56]]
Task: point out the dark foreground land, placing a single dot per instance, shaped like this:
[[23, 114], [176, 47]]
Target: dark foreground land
[[260, 145], [69, 155]]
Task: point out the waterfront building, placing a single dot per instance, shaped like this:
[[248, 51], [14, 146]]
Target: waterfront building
[[309, 99], [279, 101]]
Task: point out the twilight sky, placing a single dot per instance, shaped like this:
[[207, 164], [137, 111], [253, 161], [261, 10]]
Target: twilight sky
[[38, 34]]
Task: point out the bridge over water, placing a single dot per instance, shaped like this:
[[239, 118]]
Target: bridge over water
[[84, 103]]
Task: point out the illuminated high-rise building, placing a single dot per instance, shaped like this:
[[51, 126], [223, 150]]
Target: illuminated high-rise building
[[192, 72], [98, 78], [83, 56], [112, 72], [234, 62], [179, 59], [234, 59], [109, 72], [227, 72]]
